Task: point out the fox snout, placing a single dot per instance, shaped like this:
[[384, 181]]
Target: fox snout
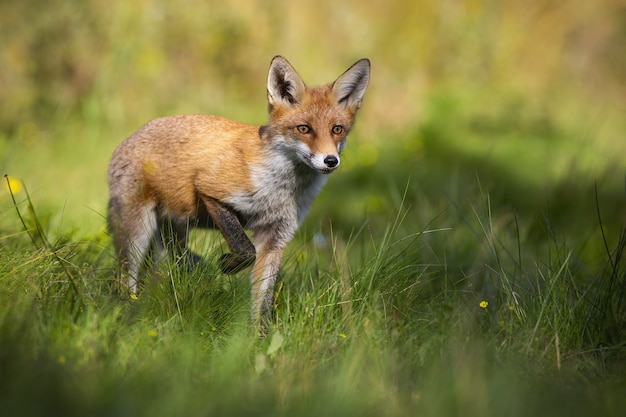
[[325, 163]]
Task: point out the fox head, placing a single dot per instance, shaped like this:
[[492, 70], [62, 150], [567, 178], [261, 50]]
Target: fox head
[[314, 122]]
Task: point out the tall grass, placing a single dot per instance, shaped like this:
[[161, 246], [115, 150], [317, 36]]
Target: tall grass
[[368, 323]]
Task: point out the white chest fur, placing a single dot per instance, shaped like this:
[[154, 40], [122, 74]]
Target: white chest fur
[[283, 190]]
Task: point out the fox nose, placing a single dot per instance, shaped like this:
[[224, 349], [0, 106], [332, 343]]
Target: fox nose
[[331, 161]]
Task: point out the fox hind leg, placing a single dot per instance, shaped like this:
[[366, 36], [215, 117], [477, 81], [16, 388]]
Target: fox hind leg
[[133, 231], [172, 240]]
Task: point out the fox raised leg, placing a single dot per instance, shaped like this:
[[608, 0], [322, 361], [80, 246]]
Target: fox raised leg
[[242, 250]]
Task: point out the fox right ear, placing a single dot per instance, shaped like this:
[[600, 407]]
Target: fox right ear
[[284, 85], [350, 87]]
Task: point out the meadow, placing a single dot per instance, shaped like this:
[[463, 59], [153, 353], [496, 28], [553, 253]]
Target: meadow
[[467, 259]]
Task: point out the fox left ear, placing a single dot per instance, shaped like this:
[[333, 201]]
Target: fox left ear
[[284, 84], [350, 87]]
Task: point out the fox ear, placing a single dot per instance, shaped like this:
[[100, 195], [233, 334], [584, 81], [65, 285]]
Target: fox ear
[[284, 85], [350, 87]]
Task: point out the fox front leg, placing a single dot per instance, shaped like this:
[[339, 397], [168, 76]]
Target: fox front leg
[[242, 250]]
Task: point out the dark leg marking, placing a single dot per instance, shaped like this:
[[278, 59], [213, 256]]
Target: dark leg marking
[[242, 250]]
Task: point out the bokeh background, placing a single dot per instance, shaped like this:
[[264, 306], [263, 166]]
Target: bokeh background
[[526, 99]]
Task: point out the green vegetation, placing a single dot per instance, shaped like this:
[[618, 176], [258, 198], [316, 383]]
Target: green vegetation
[[467, 259]]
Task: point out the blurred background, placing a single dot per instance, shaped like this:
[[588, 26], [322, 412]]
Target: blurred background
[[524, 100]]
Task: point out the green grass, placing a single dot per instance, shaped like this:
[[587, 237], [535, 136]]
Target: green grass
[[378, 312]]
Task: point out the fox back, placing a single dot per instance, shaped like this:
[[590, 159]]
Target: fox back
[[186, 171]]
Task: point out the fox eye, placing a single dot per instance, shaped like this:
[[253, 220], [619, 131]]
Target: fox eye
[[304, 129], [337, 129]]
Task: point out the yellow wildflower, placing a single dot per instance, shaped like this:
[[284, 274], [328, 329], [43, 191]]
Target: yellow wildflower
[[12, 184], [484, 304]]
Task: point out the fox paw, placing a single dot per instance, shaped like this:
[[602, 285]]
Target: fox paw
[[231, 264]]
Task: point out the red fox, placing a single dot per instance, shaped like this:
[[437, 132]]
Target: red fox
[[187, 171]]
